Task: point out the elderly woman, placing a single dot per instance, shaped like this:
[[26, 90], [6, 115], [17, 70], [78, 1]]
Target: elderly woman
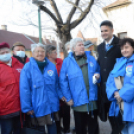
[[64, 108], [39, 89], [67, 47], [89, 46], [10, 69], [121, 92], [78, 77]]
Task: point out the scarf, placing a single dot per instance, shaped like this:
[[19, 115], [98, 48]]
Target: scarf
[[20, 59], [41, 65], [80, 56]]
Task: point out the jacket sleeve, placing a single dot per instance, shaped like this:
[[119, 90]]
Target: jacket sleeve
[[127, 91], [63, 81], [58, 90], [110, 88], [25, 92]]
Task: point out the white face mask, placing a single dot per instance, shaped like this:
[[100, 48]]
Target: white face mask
[[20, 54], [5, 57]]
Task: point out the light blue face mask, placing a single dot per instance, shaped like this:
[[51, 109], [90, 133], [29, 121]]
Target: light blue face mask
[[5, 57], [21, 54]]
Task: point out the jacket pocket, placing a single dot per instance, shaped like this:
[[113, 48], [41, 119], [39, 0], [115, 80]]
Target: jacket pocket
[[6, 82], [38, 84], [74, 76]]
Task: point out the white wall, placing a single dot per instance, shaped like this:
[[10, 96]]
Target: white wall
[[123, 19]]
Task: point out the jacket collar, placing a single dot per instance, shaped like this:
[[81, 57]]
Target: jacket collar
[[115, 41], [19, 59], [33, 61], [71, 55], [14, 61], [131, 58], [109, 41], [123, 58]]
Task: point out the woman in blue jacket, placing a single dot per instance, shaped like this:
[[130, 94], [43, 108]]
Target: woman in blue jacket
[[124, 68], [39, 89], [78, 77]]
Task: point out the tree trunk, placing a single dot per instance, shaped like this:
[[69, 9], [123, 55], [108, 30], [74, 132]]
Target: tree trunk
[[64, 36]]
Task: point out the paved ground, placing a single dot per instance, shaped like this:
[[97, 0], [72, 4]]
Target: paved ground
[[104, 126]]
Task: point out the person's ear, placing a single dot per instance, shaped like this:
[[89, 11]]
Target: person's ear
[[48, 55], [73, 49], [112, 30]]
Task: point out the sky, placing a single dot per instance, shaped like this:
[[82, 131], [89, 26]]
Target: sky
[[12, 15]]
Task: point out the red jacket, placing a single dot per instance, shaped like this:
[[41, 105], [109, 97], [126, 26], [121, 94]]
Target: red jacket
[[9, 87], [58, 62], [27, 59]]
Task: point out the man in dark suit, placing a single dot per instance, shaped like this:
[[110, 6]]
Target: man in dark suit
[[108, 51]]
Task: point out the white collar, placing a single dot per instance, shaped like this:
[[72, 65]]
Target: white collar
[[109, 41], [10, 63]]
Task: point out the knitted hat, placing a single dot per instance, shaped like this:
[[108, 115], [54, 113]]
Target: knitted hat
[[4, 44], [88, 43]]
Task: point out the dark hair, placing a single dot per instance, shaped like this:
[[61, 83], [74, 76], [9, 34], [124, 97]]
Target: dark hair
[[126, 40], [18, 44], [106, 23], [49, 49]]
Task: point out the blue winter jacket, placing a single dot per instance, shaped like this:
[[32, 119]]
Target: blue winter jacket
[[126, 92], [72, 82], [39, 92]]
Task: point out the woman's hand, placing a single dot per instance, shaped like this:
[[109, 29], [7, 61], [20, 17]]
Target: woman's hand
[[30, 112], [117, 96], [70, 103], [97, 76], [63, 99]]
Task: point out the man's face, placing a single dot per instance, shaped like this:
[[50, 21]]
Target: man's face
[[106, 32], [127, 50], [79, 48], [18, 48]]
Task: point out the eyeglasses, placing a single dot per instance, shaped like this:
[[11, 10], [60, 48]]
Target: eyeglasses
[[54, 52]]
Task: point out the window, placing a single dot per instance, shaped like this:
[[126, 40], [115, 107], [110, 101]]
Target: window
[[122, 35]]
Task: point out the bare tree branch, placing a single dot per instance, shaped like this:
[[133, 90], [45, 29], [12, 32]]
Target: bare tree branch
[[76, 6], [45, 9], [82, 16], [54, 6], [72, 11]]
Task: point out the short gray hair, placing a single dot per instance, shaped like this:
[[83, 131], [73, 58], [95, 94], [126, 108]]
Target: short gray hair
[[74, 42], [66, 45], [33, 46]]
